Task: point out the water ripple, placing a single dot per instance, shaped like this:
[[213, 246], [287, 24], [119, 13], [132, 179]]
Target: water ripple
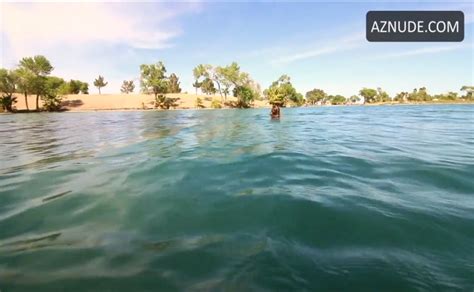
[[359, 198]]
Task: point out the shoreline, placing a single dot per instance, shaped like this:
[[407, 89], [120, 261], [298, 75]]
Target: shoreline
[[142, 102], [91, 110]]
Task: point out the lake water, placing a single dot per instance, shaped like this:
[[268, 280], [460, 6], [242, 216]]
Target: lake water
[[334, 198]]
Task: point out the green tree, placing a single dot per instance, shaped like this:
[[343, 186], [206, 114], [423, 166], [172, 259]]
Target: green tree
[[229, 76], [450, 96], [71, 87], [55, 84], [8, 81], [282, 92], [200, 73], [52, 101], [174, 84], [354, 99], [401, 97], [100, 82], [337, 99], [40, 67], [418, 95], [64, 88], [85, 88], [368, 94], [153, 79], [25, 82], [469, 91], [207, 86], [163, 102], [199, 103], [75, 86], [197, 85], [316, 95], [226, 78], [216, 103], [204, 74], [382, 96], [127, 86], [51, 96], [245, 96]]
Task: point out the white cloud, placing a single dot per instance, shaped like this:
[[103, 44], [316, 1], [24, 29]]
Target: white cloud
[[29, 25], [81, 38]]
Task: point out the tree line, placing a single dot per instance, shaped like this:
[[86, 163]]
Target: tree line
[[33, 77]]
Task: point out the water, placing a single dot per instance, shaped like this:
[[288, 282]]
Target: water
[[340, 198]]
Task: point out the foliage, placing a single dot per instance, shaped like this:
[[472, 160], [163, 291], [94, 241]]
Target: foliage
[[368, 94], [337, 99], [354, 99], [419, 95], [207, 86], [163, 102], [35, 69], [216, 104], [229, 76], [38, 65], [469, 92], [52, 96], [8, 80], [25, 81], [199, 103], [76, 87], [71, 87], [153, 79], [100, 82], [282, 91], [7, 101], [316, 95], [450, 96], [226, 78], [52, 101], [245, 96], [127, 86], [174, 84], [201, 72], [401, 97], [382, 96], [85, 88], [197, 85]]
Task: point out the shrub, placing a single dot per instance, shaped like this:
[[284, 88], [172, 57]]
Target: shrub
[[161, 101], [216, 104], [7, 101], [52, 102], [199, 103]]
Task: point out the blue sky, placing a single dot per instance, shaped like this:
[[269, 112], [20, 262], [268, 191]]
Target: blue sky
[[319, 45]]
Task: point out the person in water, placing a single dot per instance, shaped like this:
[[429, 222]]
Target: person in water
[[275, 113]]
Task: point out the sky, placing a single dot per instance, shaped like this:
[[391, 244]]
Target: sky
[[318, 44]]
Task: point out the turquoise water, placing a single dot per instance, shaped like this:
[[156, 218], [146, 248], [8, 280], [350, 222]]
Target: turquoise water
[[335, 198]]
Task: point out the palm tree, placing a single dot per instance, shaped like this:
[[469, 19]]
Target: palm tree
[[100, 82]]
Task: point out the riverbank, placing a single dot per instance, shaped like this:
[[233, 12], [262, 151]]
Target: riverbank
[[131, 102], [106, 102]]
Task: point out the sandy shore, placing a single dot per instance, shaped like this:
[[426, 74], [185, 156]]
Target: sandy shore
[[90, 102], [105, 102]]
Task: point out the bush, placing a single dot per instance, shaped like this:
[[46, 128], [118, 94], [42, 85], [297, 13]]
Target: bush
[[7, 101], [52, 102], [161, 101], [216, 104], [199, 103], [245, 96]]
